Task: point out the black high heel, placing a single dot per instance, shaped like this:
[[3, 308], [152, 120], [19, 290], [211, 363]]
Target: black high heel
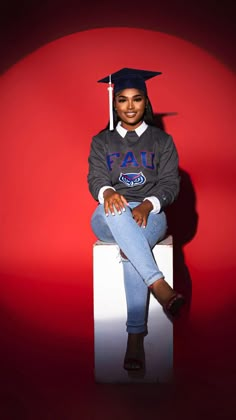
[[174, 305], [133, 365]]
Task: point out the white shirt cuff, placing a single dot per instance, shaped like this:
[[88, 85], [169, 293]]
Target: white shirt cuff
[[155, 202], [101, 191]]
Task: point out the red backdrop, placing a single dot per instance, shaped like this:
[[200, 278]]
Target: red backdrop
[[50, 107]]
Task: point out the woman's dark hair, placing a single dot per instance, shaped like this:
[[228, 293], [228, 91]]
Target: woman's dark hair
[[148, 116]]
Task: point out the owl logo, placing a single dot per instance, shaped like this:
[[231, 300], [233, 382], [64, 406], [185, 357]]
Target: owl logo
[[132, 179]]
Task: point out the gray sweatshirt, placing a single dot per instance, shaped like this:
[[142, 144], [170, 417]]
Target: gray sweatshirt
[[137, 167]]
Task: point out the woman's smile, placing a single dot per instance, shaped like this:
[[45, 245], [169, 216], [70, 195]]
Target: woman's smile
[[130, 114]]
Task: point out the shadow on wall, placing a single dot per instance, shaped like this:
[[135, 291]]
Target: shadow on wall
[[182, 221]]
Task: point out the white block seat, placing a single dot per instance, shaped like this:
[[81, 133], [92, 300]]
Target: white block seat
[[110, 312]]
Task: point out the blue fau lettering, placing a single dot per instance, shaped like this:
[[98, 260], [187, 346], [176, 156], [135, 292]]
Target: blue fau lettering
[[110, 161], [144, 159], [129, 159]]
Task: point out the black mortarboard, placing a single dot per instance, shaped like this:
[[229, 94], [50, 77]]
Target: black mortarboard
[[124, 79]]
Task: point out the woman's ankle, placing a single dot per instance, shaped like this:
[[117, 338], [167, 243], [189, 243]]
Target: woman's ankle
[[162, 291], [135, 342]]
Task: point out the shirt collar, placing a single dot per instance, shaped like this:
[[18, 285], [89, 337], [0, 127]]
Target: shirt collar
[[139, 130]]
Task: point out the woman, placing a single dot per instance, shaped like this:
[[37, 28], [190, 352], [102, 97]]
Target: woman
[[133, 174]]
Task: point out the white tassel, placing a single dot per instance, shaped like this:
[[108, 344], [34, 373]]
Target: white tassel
[[110, 90]]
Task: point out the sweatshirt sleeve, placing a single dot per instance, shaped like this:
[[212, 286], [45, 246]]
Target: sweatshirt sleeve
[[98, 174], [168, 180]]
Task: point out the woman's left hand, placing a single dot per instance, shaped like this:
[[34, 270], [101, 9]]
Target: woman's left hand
[[141, 213]]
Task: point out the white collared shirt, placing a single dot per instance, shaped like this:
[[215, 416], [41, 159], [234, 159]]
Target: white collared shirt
[[139, 130]]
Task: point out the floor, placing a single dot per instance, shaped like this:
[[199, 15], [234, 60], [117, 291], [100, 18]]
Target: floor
[[50, 377]]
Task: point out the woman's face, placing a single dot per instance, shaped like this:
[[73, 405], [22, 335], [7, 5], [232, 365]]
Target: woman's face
[[130, 106]]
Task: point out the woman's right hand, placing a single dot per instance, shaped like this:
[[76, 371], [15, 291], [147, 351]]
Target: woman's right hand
[[113, 199]]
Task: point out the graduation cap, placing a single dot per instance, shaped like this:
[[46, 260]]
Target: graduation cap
[[124, 79]]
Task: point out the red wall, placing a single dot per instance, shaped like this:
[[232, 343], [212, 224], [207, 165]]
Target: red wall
[[50, 107]]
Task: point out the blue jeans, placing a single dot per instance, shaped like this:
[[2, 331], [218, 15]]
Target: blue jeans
[[140, 267]]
